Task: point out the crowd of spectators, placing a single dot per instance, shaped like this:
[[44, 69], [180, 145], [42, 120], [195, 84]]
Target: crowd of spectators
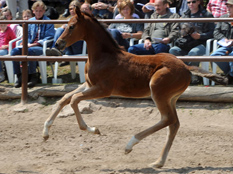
[[157, 37]]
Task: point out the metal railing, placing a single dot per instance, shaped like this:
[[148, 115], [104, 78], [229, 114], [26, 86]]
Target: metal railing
[[25, 58]]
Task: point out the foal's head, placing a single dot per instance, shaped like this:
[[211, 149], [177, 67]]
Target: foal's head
[[83, 26], [74, 31]]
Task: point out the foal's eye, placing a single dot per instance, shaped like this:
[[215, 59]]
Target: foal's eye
[[71, 27]]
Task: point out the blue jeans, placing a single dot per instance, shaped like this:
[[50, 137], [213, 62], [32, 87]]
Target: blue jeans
[[155, 49], [116, 34], [226, 67], [34, 51], [75, 48], [2, 53], [196, 51]]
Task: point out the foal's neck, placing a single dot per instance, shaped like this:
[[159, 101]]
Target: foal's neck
[[100, 42]]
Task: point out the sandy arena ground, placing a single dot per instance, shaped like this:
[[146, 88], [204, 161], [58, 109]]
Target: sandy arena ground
[[204, 143]]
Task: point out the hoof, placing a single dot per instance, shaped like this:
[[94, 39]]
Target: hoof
[[127, 151], [46, 137], [155, 165], [97, 131]]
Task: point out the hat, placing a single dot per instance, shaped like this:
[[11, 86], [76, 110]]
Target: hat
[[229, 2]]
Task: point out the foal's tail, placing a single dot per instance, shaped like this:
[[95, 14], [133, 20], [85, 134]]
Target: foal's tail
[[203, 73]]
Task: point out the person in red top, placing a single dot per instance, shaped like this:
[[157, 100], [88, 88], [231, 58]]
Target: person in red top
[[6, 35], [217, 7]]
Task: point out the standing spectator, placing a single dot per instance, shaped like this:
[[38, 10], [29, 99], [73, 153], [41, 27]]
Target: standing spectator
[[217, 7], [13, 4], [6, 35], [37, 35], [122, 32], [224, 31], [203, 32], [165, 32]]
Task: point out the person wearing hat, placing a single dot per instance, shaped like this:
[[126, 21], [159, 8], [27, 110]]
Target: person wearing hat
[[223, 31]]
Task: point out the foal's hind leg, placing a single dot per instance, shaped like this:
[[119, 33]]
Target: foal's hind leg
[[60, 104], [165, 96], [171, 133], [168, 118]]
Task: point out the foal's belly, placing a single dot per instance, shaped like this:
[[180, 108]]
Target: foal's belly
[[136, 89]]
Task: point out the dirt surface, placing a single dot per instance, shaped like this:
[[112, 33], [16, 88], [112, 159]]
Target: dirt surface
[[203, 145]]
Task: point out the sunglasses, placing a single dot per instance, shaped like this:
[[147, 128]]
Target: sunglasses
[[193, 2]]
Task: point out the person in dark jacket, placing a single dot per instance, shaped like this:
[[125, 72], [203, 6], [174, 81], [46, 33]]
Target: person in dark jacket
[[194, 43]]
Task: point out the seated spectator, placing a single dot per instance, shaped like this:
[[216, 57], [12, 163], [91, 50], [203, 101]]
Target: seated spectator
[[86, 7], [6, 35], [224, 31], [27, 14], [148, 11], [122, 32], [194, 45], [217, 7], [180, 5], [75, 48], [117, 15], [165, 32], [103, 9], [7, 13], [66, 4], [37, 35], [138, 8]]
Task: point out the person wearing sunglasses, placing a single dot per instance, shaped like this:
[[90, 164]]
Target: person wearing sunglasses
[[202, 31], [223, 31]]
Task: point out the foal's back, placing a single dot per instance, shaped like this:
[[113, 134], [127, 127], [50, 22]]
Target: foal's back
[[134, 75]]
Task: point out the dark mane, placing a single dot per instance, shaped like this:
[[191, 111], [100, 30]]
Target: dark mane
[[115, 44]]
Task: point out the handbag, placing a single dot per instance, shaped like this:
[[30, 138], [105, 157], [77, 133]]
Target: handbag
[[187, 43]]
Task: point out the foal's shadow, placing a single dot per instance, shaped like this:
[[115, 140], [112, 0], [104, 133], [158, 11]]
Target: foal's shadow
[[183, 170]]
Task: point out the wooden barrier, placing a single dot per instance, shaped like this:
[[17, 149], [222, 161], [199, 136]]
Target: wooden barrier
[[24, 58]]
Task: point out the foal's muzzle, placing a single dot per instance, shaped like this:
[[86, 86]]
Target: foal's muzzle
[[60, 44]]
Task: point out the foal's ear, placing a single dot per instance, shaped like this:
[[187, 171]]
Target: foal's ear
[[78, 12]]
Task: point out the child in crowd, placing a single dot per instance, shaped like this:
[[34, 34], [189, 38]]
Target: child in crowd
[[27, 14], [6, 35], [37, 35], [7, 13]]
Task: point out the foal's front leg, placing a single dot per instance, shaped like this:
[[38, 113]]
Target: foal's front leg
[[61, 103], [92, 93]]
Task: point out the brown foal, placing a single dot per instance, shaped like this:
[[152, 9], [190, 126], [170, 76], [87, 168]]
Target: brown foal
[[110, 71]]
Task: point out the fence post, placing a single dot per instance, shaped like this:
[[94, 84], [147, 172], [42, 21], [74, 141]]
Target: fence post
[[24, 65]]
